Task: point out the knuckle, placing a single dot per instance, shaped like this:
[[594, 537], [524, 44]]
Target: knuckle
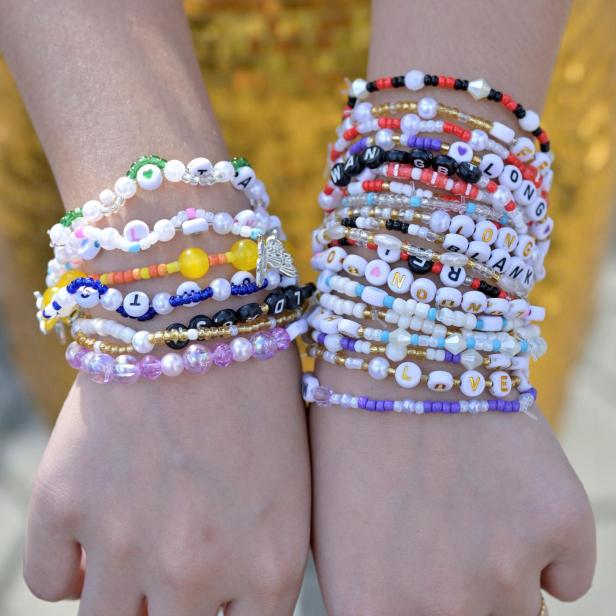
[[186, 570], [277, 574]]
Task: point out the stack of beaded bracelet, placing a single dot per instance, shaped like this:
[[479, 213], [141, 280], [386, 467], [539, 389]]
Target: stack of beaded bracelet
[[256, 330], [455, 207]]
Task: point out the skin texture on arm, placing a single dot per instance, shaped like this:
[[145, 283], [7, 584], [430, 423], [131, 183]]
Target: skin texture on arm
[[449, 515], [185, 493]]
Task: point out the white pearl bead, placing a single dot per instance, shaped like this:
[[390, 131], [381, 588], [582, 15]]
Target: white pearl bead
[[171, 364], [92, 211], [501, 197], [174, 170], [472, 383], [384, 138], [140, 342], [223, 223], [136, 303], [224, 171], [106, 197], [530, 121], [358, 88], [479, 140], [241, 349], [59, 234], [125, 187], [410, 124], [256, 190], [362, 112], [165, 230], [414, 80], [160, 303], [427, 108], [439, 221], [111, 300], [273, 279], [109, 238], [408, 374], [378, 367], [221, 288], [200, 167], [149, 177]]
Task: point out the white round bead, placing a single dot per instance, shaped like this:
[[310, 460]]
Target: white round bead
[[358, 88], [160, 303], [440, 380], [241, 349], [92, 211], [408, 374], [448, 297], [530, 121], [149, 177], [492, 165], [378, 368], [136, 303], [384, 138], [165, 230], [111, 300], [440, 221], [377, 272], [243, 178], [410, 124], [423, 290], [354, 265], [455, 242], [221, 288], [479, 251], [507, 238], [452, 276], [125, 187], [140, 342], [106, 197], [273, 279], [472, 383], [462, 224], [479, 140], [224, 171], [188, 287], [399, 280], [501, 384], [461, 151], [537, 210], [414, 80], [222, 223], [174, 170], [485, 231], [171, 364], [427, 108], [200, 167], [136, 230], [362, 112], [110, 238]]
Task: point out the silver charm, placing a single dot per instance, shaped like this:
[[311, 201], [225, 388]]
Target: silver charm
[[271, 255]]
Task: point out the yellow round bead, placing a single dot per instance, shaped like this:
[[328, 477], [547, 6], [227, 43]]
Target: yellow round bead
[[244, 254], [193, 263], [68, 277]]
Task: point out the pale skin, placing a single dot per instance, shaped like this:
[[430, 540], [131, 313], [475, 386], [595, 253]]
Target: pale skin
[[186, 497]]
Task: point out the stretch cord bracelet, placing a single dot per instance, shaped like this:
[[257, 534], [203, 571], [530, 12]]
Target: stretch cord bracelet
[[415, 80], [86, 241], [176, 336], [435, 336], [196, 359], [148, 173], [409, 375], [314, 392]]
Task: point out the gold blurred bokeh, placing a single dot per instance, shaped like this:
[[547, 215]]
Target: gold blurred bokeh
[[269, 65]]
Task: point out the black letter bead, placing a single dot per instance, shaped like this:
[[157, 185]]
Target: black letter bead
[[445, 164], [248, 312], [200, 321], [176, 345], [276, 302], [469, 173], [419, 266], [398, 156], [373, 156], [308, 290], [294, 296], [353, 165], [226, 316], [338, 176], [420, 158]]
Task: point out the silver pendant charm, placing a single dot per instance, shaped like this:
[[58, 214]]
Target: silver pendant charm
[[272, 256]]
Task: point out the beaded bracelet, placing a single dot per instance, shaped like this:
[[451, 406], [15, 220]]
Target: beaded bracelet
[[196, 359], [148, 172], [415, 80], [408, 374], [313, 391], [175, 336]]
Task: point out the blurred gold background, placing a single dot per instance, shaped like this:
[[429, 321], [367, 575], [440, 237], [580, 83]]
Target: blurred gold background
[[268, 66]]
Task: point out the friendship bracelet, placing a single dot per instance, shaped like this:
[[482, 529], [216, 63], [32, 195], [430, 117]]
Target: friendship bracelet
[[415, 80], [196, 359], [313, 391], [176, 336], [409, 375]]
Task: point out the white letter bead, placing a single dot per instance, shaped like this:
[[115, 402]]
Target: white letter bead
[[440, 380], [136, 230], [537, 210], [497, 306], [524, 149], [408, 374], [354, 265], [136, 304], [461, 151], [373, 296], [186, 288], [242, 277], [480, 251], [507, 238], [399, 280], [485, 231], [462, 224], [526, 193], [448, 297], [501, 384], [149, 177], [525, 246], [329, 324], [452, 276], [243, 178], [330, 259], [499, 260], [87, 297], [348, 328], [492, 165], [423, 290], [199, 167], [377, 272], [502, 132], [196, 225], [474, 302], [511, 177], [472, 383], [454, 242]]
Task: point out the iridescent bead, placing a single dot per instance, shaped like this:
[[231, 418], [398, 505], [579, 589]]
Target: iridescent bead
[[281, 337], [98, 366], [222, 355], [74, 354], [150, 367], [126, 369], [171, 364], [264, 345], [197, 359], [322, 395]]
